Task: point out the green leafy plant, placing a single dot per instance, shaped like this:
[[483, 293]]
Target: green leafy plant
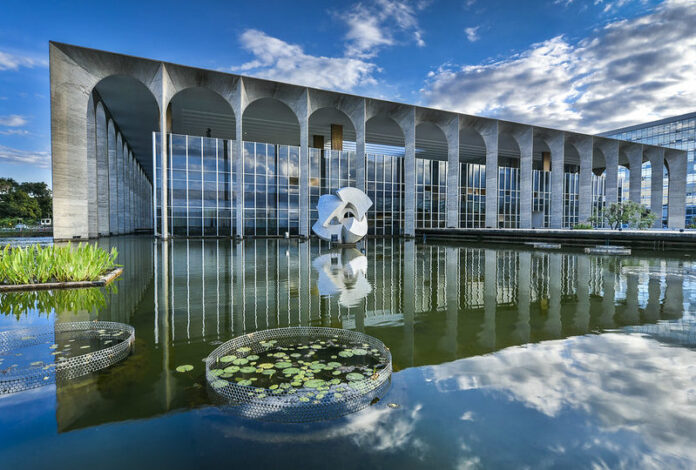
[[629, 213], [37, 265], [583, 226]]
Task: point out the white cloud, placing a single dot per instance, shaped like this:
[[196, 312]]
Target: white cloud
[[472, 33], [14, 132], [278, 60], [9, 61], [381, 23], [24, 157], [12, 120], [629, 71]]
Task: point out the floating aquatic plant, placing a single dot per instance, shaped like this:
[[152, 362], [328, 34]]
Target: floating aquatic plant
[[184, 368]]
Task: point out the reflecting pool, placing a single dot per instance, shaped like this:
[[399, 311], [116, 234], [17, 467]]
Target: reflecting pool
[[504, 357]]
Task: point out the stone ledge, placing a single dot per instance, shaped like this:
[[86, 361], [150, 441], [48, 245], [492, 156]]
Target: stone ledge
[[104, 280]]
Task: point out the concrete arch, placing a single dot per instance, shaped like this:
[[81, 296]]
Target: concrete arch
[[196, 110], [111, 143], [321, 119], [431, 141], [472, 146], [382, 129], [599, 161], [256, 122]]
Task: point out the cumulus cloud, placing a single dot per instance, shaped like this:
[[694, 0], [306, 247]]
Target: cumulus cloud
[[472, 33], [279, 60], [25, 157], [627, 72], [9, 61], [14, 132], [381, 23], [12, 120]]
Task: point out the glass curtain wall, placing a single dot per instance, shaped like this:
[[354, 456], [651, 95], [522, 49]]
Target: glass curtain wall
[[200, 186], [508, 197], [384, 181], [541, 198], [329, 170], [599, 200], [472, 187], [571, 199], [431, 193], [271, 189]]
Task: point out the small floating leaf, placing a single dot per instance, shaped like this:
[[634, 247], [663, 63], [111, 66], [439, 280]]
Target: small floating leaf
[[359, 352], [346, 353], [266, 365], [283, 365], [253, 357], [244, 349], [353, 376], [314, 383], [247, 370], [240, 361], [219, 383], [229, 358], [244, 382], [184, 368], [231, 369]]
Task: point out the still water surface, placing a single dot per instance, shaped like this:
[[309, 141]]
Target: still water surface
[[503, 358]]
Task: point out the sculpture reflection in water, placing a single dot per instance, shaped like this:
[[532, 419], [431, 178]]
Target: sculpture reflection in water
[[343, 272]]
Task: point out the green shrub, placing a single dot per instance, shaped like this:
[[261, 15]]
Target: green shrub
[[583, 226], [36, 264]]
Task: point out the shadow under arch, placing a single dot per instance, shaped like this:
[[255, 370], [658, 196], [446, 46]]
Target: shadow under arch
[[271, 121], [202, 112]]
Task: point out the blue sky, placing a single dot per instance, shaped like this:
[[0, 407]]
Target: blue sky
[[580, 65]]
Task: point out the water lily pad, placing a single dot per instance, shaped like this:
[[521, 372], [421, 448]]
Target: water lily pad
[[247, 370], [353, 376], [334, 365], [231, 369], [314, 383], [359, 352], [252, 357], [244, 349], [317, 346], [346, 353], [216, 372], [218, 383], [229, 358], [268, 372], [291, 371], [184, 368], [266, 365], [283, 365], [244, 382], [240, 361]]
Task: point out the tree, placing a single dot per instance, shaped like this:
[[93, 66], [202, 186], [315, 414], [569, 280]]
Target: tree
[[29, 201], [17, 203], [41, 192], [629, 213]]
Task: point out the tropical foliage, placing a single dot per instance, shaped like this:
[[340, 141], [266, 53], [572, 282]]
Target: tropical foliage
[[45, 302], [626, 213], [36, 264], [28, 202]]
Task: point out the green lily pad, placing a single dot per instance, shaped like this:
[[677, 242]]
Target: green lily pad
[[247, 370], [346, 353], [334, 365], [266, 365], [353, 376], [314, 383], [283, 365], [229, 358], [244, 349], [291, 371], [231, 369], [244, 382], [184, 368], [317, 346], [252, 357], [240, 361], [268, 372], [359, 352], [216, 372], [218, 383]]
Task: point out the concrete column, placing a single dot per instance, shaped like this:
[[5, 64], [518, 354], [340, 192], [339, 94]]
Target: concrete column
[[490, 300], [407, 121], [635, 163], [237, 162], [453, 187], [302, 112], [553, 325], [522, 325], [609, 295], [113, 180], [582, 308], [92, 208], [452, 282], [556, 143], [525, 141], [102, 172], [584, 148], [164, 129], [657, 161], [409, 301], [676, 199], [490, 136], [611, 156], [126, 190], [119, 181]]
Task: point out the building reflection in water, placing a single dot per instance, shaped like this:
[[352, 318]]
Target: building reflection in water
[[429, 304]]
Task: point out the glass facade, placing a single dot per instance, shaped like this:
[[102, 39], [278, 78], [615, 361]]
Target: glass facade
[[571, 199], [472, 191], [431, 193], [508, 197], [541, 198], [679, 133], [384, 185]]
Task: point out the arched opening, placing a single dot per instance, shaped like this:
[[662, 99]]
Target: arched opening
[[624, 177], [332, 162], [131, 110], [541, 184], [472, 179], [571, 187], [200, 122], [384, 175], [508, 181], [599, 196], [431, 176], [271, 169]]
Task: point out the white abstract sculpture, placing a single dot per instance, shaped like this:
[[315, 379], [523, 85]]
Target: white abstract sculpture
[[343, 272], [342, 218]]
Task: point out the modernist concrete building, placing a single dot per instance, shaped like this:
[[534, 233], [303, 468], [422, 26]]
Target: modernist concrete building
[[677, 132], [225, 155]]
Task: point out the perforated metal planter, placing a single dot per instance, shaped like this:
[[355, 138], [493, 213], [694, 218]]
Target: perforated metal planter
[[306, 402], [16, 379]]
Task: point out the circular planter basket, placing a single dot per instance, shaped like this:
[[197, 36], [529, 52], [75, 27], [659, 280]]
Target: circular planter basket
[[37, 374], [308, 398]]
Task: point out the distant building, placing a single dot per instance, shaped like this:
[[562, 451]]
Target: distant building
[[145, 144], [677, 132]]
